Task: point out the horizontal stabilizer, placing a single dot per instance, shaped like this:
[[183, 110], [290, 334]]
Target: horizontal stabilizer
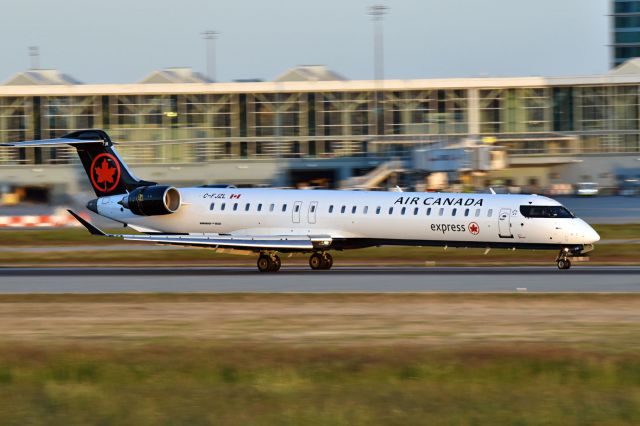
[[49, 143], [94, 230]]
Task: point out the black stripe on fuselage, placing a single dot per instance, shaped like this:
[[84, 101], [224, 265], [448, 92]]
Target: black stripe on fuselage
[[355, 243]]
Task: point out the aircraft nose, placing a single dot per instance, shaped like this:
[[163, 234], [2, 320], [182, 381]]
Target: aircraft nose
[[590, 234]]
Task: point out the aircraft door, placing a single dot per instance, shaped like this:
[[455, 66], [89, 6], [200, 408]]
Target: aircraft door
[[297, 206], [504, 223], [313, 207]]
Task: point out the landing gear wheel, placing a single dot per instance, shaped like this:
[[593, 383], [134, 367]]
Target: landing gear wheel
[[276, 263], [269, 263], [316, 261], [327, 261], [564, 264], [264, 263]]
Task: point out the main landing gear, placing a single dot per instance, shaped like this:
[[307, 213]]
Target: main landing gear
[[563, 259], [320, 261], [269, 262]]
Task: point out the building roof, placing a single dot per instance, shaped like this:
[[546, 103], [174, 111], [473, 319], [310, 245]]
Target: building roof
[[632, 66], [175, 75], [310, 73], [41, 77], [152, 88]]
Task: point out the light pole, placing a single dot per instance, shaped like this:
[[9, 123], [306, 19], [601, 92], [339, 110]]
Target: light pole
[[377, 12], [34, 56], [210, 37]]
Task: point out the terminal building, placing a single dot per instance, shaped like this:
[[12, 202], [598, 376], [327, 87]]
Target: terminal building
[[626, 30], [311, 125]]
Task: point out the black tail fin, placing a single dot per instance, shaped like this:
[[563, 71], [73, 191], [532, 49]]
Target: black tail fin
[[108, 174]]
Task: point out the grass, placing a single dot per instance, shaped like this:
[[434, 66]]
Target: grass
[[237, 385], [348, 359], [619, 232], [56, 237]]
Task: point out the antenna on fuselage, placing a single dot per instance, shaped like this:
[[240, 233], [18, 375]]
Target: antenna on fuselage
[[492, 191]]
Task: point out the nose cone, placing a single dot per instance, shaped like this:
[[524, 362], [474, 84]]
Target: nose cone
[[588, 233], [592, 235]]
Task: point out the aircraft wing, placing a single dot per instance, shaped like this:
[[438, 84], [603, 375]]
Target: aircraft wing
[[289, 242], [219, 241]]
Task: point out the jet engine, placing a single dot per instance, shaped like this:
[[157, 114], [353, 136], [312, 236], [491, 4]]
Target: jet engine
[[152, 200]]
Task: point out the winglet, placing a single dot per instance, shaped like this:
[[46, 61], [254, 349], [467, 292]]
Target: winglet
[[90, 227]]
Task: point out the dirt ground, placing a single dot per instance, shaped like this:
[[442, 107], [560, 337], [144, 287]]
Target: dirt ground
[[602, 322]]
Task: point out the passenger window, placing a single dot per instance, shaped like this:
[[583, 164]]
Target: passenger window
[[284, 208], [223, 206], [260, 207], [453, 212], [403, 211], [466, 212], [390, 210], [441, 212], [378, 210], [490, 212], [415, 211], [271, 207], [343, 209], [235, 206], [247, 207], [365, 210], [429, 211], [330, 209], [477, 212], [297, 208], [212, 206], [353, 210]]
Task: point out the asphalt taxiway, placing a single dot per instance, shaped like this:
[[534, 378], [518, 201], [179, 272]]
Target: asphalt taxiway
[[339, 279]]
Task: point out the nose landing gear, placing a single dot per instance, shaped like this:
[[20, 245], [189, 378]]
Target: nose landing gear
[[321, 261], [563, 259], [269, 262], [564, 264]]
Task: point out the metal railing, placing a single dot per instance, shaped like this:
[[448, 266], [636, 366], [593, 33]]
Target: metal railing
[[206, 150]]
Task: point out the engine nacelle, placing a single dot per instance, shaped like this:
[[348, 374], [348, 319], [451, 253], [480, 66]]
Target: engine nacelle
[[152, 200]]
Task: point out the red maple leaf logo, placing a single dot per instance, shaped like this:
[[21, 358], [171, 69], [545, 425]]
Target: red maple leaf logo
[[474, 228], [105, 173]]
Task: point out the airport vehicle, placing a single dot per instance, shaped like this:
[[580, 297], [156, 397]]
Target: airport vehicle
[[630, 187], [587, 189], [270, 221]]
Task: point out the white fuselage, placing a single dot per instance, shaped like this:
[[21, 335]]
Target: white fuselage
[[394, 217]]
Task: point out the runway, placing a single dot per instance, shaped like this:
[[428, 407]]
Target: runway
[[340, 279]]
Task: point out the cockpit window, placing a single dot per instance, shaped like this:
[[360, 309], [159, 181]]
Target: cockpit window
[[557, 212]]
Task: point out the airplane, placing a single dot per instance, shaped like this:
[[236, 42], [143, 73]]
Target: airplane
[[269, 222]]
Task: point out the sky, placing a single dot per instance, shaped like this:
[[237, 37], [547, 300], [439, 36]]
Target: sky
[[122, 41]]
